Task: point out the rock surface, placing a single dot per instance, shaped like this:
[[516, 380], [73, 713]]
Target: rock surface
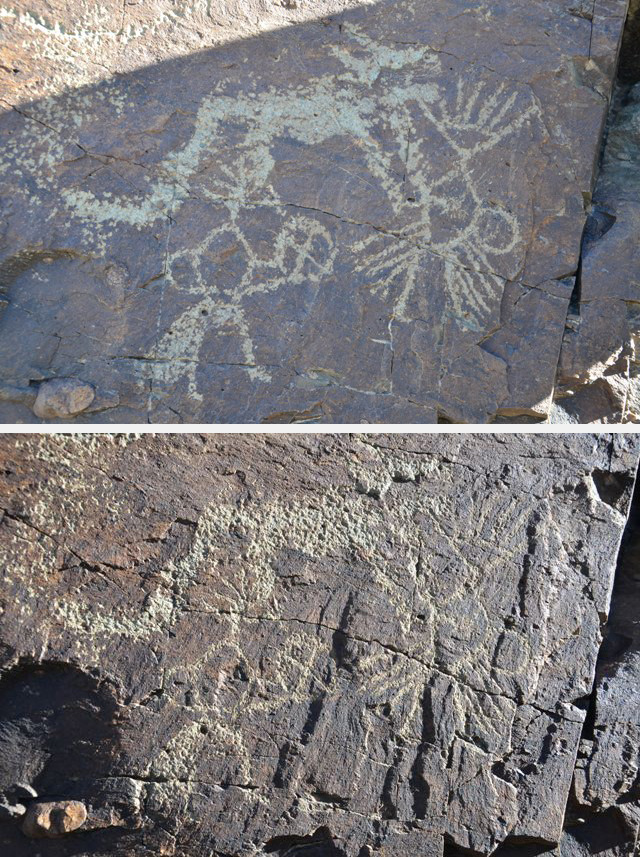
[[599, 371], [336, 211], [54, 819], [62, 397], [318, 645], [605, 806]]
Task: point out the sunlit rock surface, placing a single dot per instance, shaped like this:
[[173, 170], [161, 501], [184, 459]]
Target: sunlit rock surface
[[276, 212], [325, 645], [599, 370]]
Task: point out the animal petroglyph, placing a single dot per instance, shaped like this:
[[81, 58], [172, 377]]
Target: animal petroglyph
[[397, 127], [471, 236], [388, 635], [344, 217]]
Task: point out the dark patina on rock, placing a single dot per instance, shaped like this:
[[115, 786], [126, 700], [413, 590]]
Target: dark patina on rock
[[599, 370], [339, 212], [314, 645]]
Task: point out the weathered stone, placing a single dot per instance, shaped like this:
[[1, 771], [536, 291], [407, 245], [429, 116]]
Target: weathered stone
[[10, 806], [311, 645], [9, 811], [605, 809], [24, 790], [62, 397], [276, 212], [53, 819], [599, 370]]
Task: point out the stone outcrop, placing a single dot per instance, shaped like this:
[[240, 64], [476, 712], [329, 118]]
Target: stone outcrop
[[319, 645], [599, 371], [297, 211], [605, 805]]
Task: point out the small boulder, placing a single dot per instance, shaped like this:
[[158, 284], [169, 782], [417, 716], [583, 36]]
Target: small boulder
[[53, 819], [62, 397]]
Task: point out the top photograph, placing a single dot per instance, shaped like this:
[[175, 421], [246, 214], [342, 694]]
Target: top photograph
[[319, 211]]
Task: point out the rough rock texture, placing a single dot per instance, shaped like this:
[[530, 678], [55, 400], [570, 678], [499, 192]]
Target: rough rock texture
[[316, 645], [599, 371], [296, 211], [62, 397], [53, 819], [605, 806]]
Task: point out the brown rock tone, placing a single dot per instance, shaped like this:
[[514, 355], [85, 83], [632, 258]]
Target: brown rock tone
[[262, 211], [320, 646], [52, 820], [62, 397]]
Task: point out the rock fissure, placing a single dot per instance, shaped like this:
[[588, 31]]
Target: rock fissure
[[598, 367], [256, 650], [391, 193], [588, 809]]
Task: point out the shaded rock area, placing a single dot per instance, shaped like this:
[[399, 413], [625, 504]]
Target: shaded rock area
[[606, 795], [296, 211], [599, 370], [318, 646]]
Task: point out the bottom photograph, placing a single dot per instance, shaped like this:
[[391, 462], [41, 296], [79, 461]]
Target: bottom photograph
[[319, 645]]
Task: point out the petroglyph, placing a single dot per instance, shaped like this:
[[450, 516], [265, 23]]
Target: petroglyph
[[336, 213], [388, 636], [303, 251]]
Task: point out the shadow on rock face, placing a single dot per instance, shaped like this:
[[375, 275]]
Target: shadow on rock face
[[607, 833], [319, 844], [58, 737], [57, 728]]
